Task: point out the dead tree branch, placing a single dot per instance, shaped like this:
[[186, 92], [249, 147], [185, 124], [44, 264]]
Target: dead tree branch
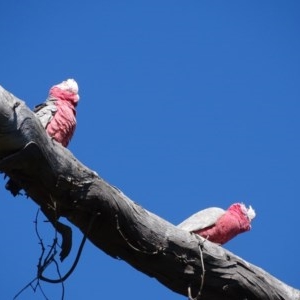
[[48, 172]]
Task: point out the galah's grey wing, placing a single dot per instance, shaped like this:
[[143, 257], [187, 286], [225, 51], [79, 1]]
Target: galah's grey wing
[[45, 112], [202, 219]]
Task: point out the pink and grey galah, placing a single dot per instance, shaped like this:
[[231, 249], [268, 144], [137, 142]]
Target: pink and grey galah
[[219, 226], [58, 113]]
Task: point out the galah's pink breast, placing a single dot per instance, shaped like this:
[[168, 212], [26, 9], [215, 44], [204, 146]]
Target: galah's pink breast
[[227, 227], [62, 125]]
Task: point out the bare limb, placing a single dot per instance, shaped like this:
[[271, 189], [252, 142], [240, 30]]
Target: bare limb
[[42, 167]]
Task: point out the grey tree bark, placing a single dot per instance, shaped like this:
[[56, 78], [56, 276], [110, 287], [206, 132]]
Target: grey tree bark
[[52, 177]]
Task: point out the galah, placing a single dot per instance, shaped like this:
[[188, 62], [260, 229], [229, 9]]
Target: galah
[[218, 225], [58, 113]]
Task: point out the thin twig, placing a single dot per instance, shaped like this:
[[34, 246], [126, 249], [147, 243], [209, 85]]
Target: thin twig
[[190, 297], [62, 283], [43, 263], [203, 272], [62, 279], [36, 227], [42, 291], [24, 288]]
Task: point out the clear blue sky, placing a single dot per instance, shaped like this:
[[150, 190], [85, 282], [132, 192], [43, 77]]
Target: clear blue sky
[[184, 105]]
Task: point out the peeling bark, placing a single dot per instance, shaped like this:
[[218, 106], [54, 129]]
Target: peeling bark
[[49, 174]]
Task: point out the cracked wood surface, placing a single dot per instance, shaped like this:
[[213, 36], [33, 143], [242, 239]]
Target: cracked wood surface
[[122, 229]]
